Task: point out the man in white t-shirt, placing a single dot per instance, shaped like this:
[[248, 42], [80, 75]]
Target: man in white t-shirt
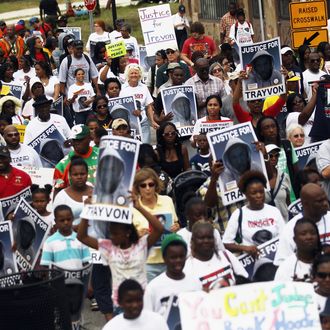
[[21, 154], [45, 119], [134, 317], [162, 292], [315, 205], [241, 32]]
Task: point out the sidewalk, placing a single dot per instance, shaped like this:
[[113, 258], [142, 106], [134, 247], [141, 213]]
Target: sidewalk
[[14, 16]]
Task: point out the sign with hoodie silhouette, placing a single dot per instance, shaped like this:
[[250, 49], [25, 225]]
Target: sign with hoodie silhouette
[[262, 62], [181, 102], [76, 31], [307, 154], [123, 107], [14, 90], [30, 232], [234, 147], [7, 257], [114, 179], [49, 146]]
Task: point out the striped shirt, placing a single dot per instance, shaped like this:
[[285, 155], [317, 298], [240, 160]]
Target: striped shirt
[[64, 251]]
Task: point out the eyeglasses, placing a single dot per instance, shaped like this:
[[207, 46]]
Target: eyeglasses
[[170, 51], [145, 185], [102, 106], [274, 155], [12, 134], [216, 71], [315, 60], [170, 134], [299, 135], [323, 275]]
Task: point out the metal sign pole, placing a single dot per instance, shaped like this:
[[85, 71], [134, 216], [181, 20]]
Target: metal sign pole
[[91, 22], [261, 16]]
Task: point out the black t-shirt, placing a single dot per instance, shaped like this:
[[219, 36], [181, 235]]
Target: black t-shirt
[[49, 7]]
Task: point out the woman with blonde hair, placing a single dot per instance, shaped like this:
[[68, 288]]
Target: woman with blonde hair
[[144, 101], [147, 186], [295, 133]]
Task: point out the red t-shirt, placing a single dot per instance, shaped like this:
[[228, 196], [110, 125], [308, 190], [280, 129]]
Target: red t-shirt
[[14, 182], [205, 45]]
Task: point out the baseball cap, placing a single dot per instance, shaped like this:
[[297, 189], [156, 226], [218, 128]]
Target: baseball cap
[[4, 151], [182, 9], [62, 18], [271, 147], [171, 238], [284, 50], [119, 122], [33, 20], [172, 66], [78, 43], [79, 132], [175, 48]]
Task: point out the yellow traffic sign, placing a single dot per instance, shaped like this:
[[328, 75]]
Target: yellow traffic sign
[[311, 38], [306, 15]]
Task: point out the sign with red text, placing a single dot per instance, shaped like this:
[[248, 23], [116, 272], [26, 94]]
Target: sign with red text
[[157, 28], [265, 305]]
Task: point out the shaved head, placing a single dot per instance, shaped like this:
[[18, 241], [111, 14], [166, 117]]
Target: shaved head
[[10, 128]]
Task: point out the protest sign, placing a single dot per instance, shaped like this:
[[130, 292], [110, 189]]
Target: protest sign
[[40, 176], [265, 305], [116, 49], [57, 106], [214, 125], [49, 146], [7, 257], [157, 28], [76, 31], [166, 220], [123, 107], [234, 148], [267, 250], [262, 62], [21, 131], [172, 313], [30, 233], [306, 154], [295, 208], [8, 204], [181, 101], [15, 90], [132, 133], [146, 61], [114, 179]]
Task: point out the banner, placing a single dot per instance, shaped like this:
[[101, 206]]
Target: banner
[[8, 204], [114, 179], [49, 146], [57, 106], [116, 49], [181, 102], [15, 90], [262, 61], [267, 250], [123, 107], [295, 208], [40, 176], [214, 125], [233, 147], [76, 31], [30, 233], [257, 306], [7, 257], [306, 154], [157, 28]]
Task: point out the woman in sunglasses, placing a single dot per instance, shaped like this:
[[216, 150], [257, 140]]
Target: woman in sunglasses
[[148, 186], [295, 133], [101, 111], [172, 154]]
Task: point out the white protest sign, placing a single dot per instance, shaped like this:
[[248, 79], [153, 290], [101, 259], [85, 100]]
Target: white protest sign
[[214, 125], [257, 306], [157, 28], [262, 61], [40, 176]]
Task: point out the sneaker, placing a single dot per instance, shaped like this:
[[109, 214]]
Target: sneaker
[[94, 305]]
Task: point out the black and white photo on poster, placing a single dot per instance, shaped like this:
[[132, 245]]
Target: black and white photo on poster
[[307, 154], [262, 62], [76, 31], [123, 107], [114, 179], [57, 106], [146, 61], [50, 146], [7, 256], [30, 232], [267, 250], [8, 204], [14, 90], [166, 220], [171, 312], [234, 147], [181, 102]]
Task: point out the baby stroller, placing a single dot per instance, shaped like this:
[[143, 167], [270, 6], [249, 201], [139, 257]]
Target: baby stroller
[[184, 185]]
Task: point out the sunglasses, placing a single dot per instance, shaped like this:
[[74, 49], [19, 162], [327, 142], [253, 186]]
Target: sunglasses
[[299, 135], [12, 134], [216, 70], [323, 275], [274, 155], [102, 106], [170, 51], [145, 185], [170, 134]]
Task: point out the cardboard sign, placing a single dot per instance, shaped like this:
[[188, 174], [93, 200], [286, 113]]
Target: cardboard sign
[[214, 125], [40, 176], [311, 14], [307, 153], [116, 49], [258, 306], [157, 28]]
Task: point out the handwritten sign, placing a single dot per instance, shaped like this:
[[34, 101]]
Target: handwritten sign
[[157, 28], [269, 305]]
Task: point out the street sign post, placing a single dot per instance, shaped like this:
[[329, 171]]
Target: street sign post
[[311, 38], [90, 5]]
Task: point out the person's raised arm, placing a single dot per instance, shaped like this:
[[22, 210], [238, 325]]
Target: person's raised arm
[[83, 235], [309, 108], [211, 196], [104, 71]]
